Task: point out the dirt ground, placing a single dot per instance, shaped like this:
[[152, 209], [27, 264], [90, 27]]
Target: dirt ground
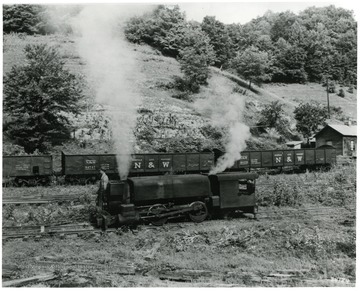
[[307, 249]]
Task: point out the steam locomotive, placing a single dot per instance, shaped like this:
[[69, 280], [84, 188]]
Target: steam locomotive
[[156, 199], [84, 168]]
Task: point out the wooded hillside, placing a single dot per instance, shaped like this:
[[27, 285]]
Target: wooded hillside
[[176, 59]]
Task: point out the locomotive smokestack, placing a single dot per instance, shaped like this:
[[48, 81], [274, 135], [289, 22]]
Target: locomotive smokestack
[[112, 71]]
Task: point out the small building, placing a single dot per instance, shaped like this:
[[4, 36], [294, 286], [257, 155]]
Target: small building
[[342, 137], [294, 144]]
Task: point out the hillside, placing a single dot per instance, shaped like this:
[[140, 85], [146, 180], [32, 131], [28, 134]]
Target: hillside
[[166, 123]]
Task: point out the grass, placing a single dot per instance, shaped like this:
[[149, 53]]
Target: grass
[[308, 93], [44, 214], [245, 252], [336, 187], [315, 246]]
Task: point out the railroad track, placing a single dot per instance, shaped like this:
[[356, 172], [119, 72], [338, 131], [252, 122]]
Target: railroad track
[[43, 230], [42, 200], [80, 228]]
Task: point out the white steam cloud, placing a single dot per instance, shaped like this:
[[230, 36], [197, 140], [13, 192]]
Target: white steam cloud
[[112, 70], [225, 110]]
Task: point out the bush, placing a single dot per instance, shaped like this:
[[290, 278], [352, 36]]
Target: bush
[[331, 87], [211, 132], [272, 115], [281, 194], [185, 96], [181, 84], [341, 93], [147, 134]]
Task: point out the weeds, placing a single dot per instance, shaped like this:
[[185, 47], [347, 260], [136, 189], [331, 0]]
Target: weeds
[[336, 187], [8, 211], [281, 193], [312, 244]]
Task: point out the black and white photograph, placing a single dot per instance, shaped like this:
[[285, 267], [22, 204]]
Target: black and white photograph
[[179, 144]]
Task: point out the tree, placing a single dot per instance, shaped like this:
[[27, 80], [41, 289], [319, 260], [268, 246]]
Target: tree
[[23, 18], [309, 117], [37, 97], [290, 65], [157, 28], [330, 43], [272, 114], [252, 64], [195, 56], [219, 39], [282, 25]]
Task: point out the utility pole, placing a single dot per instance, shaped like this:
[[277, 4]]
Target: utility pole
[[327, 94]]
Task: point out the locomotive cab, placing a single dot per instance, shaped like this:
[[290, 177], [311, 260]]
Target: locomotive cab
[[235, 191]]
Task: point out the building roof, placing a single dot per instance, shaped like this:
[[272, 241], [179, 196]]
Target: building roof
[[346, 130], [294, 142]]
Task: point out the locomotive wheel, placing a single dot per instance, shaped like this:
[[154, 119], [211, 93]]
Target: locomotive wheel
[[199, 212], [156, 210]]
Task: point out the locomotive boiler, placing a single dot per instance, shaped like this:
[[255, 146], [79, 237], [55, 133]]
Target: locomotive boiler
[[156, 199]]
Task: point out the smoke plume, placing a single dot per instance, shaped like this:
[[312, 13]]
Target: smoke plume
[[111, 70], [225, 110]]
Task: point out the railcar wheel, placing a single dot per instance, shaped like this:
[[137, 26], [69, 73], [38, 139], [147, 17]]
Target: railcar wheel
[[156, 210], [199, 212]]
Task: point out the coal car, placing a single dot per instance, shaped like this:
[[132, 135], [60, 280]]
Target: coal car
[[85, 168], [300, 158], [156, 199], [27, 170]]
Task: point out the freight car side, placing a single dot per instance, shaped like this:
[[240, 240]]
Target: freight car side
[[27, 170], [171, 163], [85, 168], [302, 158]]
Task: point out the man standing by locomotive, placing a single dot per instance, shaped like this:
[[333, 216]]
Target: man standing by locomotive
[[104, 181]]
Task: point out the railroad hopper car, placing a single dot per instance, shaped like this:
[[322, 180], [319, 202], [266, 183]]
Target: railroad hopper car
[[27, 170], [85, 168], [156, 199], [302, 158]]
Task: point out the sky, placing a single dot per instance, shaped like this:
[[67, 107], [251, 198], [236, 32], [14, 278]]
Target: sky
[[241, 12], [228, 11]]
